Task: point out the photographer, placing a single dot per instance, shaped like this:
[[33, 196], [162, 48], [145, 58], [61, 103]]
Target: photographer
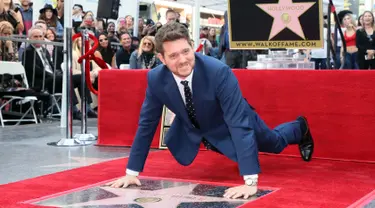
[[11, 14]]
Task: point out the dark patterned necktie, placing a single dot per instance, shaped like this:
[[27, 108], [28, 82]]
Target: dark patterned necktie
[[189, 104], [191, 113]]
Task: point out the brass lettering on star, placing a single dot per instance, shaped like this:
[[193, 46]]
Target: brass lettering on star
[[147, 200], [285, 8]]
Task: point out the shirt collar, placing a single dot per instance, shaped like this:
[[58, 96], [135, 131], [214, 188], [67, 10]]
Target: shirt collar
[[188, 78]]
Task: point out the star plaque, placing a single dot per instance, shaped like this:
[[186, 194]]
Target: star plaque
[[264, 24], [152, 193]]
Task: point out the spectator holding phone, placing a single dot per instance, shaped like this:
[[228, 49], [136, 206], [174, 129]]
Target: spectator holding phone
[[111, 30], [27, 15], [77, 16], [149, 29], [88, 22], [11, 14]]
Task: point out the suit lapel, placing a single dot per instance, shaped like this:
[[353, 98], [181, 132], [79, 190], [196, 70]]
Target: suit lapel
[[174, 97], [198, 85]]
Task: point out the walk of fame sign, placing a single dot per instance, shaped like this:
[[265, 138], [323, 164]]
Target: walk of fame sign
[[152, 193], [264, 24]]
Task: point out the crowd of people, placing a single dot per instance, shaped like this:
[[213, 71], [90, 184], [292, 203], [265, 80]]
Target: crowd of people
[[358, 36]]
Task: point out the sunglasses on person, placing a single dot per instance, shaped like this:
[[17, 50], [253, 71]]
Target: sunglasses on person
[[147, 44]]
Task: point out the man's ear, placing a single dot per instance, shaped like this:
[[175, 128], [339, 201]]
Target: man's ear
[[161, 58]]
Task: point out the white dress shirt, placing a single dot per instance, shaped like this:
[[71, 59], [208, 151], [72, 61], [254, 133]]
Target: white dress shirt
[[181, 87], [46, 65], [182, 93]]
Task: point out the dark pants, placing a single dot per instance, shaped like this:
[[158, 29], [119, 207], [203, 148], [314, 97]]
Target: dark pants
[[351, 61], [338, 57], [76, 82], [320, 63], [233, 59], [277, 139], [365, 64]]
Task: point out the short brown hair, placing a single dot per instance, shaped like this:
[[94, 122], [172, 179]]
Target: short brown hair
[[170, 32], [40, 22], [170, 11]]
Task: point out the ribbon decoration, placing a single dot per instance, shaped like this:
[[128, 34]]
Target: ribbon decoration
[[200, 47], [89, 56]]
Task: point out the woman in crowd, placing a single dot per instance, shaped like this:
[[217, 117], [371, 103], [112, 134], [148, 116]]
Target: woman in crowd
[[212, 37], [49, 15], [57, 54], [9, 13], [129, 24], [214, 50], [360, 22], [365, 40], [121, 27], [105, 50], [350, 59], [76, 69], [8, 49], [145, 57]]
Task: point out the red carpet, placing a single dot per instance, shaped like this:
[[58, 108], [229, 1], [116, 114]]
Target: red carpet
[[339, 105], [320, 183]]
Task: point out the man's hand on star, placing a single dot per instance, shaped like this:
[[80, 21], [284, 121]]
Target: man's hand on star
[[244, 191], [125, 182]]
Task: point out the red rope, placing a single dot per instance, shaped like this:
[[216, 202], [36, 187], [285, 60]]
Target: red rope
[[333, 8], [200, 47], [88, 56]]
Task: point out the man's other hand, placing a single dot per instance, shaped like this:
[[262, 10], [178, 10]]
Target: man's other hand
[[244, 191], [125, 182]]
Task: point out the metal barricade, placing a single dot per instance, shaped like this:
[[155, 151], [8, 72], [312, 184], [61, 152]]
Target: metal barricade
[[22, 48], [42, 80]]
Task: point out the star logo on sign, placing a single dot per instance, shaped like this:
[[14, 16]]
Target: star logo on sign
[[286, 14]]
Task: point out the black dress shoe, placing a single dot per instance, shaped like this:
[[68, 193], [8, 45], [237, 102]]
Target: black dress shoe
[[306, 146], [77, 116], [92, 114]]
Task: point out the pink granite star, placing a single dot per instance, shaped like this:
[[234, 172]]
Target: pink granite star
[[285, 15]]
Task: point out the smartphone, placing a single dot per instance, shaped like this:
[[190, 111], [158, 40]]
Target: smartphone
[[367, 58], [16, 9]]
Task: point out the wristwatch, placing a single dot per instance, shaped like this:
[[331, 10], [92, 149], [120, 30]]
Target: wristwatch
[[251, 182]]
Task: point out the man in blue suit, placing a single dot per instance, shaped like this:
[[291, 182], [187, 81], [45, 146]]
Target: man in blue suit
[[210, 109]]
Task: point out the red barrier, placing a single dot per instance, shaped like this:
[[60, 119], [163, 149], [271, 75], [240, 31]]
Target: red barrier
[[338, 104]]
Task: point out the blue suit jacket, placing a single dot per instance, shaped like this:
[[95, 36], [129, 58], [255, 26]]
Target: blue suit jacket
[[223, 114]]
